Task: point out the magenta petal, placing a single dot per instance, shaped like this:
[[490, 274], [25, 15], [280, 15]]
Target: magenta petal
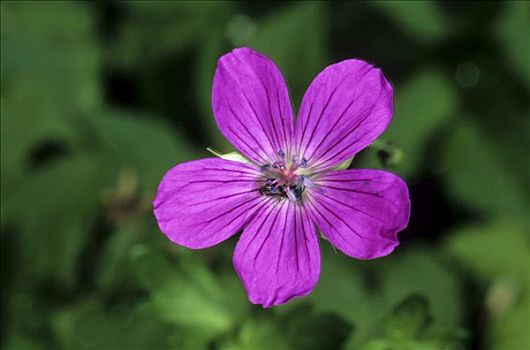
[[251, 104], [346, 107], [277, 256], [203, 202], [361, 211]]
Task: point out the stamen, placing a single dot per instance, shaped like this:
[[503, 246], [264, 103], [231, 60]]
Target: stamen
[[291, 195], [278, 164], [282, 182], [307, 182]]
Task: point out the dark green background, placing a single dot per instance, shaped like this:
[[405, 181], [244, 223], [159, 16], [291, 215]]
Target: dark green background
[[98, 100]]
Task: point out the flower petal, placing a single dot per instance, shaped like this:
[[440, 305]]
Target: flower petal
[[346, 107], [360, 211], [277, 256], [203, 202], [251, 104]]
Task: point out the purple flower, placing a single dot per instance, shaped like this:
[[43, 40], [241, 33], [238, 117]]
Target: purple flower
[[290, 186]]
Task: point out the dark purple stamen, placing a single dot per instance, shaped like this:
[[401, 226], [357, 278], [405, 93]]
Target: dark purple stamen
[[282, 180], [265, 167]]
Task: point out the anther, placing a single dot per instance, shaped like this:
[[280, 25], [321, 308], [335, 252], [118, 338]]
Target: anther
[[291, 195], [265, 167], [282, 179], [279, 165]]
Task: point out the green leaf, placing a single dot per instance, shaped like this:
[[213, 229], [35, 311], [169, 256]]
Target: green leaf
[[116, 269], [421, 271], [510, 330], [423, 104], [54, 210], [188, 294], [234, 156], [50, 76], [499, 254], [417, 344], [513, 30], [89, 325], [499, 249], [21, 342], [152, 32], [283, 329], [421, 20], [406, 328], [23, 129], [344, 165], [279, 37], [257, 333], [477, 176], [51, 66], [408, 318], [343, 290], [321, 330], [142, 143]]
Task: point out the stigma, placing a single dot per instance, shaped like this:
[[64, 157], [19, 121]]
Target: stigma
[[284, 178]]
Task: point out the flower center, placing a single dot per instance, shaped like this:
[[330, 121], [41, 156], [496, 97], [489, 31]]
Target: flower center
[[285, 179]]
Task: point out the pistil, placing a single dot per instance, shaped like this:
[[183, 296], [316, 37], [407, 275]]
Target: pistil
[[284, 178]]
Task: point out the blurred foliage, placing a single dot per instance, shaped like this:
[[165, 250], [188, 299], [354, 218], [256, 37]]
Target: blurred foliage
[[497, 193], [498, 253], [369, 305], [513, 28], [421, 108], [424, 20], [99, 99]]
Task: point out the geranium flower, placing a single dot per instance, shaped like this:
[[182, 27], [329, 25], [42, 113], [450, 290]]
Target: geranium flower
[[289, 185]]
